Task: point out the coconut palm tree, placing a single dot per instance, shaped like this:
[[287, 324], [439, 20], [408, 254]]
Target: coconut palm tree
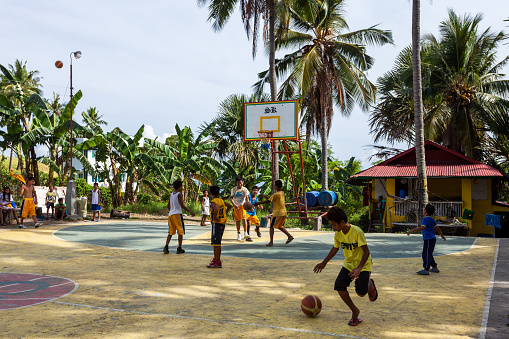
[[462, 88], [92, 117], [326, 67]]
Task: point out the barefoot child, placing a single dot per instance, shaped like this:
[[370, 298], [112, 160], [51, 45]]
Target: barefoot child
[[51, 199], [29, 203], [7, 205], [175, 220], [357, 264], [278, 214], [218, 219], [205, 210], [428, 228]]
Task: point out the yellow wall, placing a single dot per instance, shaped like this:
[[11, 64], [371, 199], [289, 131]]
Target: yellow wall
[[454, 189]]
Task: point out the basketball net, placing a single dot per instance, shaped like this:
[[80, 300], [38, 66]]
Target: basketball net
[[265, 139]]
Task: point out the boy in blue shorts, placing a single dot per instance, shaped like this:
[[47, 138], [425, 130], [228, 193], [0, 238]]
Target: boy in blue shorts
[[357, 264], [251, 217], [428, 228], [175, 220], [218, 220]]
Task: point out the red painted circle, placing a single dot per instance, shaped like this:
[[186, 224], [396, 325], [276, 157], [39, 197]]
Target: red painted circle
[[21, 290], [59, 64]]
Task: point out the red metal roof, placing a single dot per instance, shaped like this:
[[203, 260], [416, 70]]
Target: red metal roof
[[441, 162]]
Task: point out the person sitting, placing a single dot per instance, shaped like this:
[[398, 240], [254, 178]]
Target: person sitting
[[7, 206], [60, 211]]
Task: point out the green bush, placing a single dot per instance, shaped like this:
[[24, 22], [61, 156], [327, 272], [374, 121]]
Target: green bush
[[144, 198]]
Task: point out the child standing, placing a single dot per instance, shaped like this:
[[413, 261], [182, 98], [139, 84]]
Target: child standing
[[204, 207], [95, 203], [278, 212], [428, 228], [357, 264], [238, 196], [29, 203], [51, 199], [175, 220], [251, 215], [218, 219]]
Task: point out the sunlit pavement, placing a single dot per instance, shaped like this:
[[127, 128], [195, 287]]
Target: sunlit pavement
[[129, 288]]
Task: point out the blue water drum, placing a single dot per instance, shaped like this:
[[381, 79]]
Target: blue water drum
[[312, 198], [327, 198]]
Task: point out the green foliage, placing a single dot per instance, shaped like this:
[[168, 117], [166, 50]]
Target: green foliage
[[82, 188], [145, 198]]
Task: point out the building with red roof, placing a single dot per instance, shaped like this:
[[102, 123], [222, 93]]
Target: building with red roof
[[455, 183]]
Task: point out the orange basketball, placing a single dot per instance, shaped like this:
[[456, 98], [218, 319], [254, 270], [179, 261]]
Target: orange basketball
[[59, 64], [311, 305]]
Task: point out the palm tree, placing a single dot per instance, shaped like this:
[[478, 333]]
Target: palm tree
[[326, 67], [422, 181], [462, 88], [92, 117], [252, 12]]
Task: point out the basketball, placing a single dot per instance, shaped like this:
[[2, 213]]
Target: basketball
[[311, 305], [248, 206], [59, 64]]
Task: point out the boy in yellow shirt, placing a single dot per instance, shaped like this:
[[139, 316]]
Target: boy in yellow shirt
[[278, 212], [357, 264], [218, 219]]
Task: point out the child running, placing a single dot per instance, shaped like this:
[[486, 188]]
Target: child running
[[29, 203], [175, 220], [205, 210], [251, 217], [51, 199], [278, 212], [428, 228], [238, 196], [218, 219], [357, 264]]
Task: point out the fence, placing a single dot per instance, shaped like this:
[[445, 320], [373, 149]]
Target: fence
[[404, 208]]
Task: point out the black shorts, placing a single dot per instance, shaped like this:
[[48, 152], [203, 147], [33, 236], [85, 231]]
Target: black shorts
[[50, 204], [217, 234], [361, 284]]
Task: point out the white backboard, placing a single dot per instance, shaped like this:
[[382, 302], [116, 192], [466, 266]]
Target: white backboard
[[280, 117]]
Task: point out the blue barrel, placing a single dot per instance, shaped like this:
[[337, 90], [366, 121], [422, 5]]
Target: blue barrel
[[327, 198], [312, 198]]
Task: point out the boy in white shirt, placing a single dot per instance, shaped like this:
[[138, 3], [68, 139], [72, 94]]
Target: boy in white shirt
[[238, 196]]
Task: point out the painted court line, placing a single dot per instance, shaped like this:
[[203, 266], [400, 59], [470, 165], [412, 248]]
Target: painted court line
[[212, 320], [486, 313]]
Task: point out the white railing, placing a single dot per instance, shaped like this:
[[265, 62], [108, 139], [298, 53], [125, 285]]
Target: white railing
[[403, 208]]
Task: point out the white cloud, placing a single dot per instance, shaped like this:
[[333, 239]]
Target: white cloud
[[149, 133]]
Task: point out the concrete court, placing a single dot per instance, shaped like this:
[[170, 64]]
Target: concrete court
[[127, 293]]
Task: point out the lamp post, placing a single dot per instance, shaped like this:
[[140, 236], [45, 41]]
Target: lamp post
[[76, 55], [71, 196]]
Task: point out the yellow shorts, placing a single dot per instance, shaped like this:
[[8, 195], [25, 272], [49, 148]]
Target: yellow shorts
[[239, 214], [176, 224], [28, 208], [253, 219], [277, 222]]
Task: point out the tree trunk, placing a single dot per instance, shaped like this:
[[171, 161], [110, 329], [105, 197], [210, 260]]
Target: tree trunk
[[325, 167], [422, 182], [35, 166], [272, 81]]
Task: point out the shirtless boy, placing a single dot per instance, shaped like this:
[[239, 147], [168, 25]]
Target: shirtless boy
[[30, 202]]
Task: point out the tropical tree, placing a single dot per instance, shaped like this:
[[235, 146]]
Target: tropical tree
[[463, 88], [252, 12], [326, 67], [228, 133], [21, 92], [92, 117]]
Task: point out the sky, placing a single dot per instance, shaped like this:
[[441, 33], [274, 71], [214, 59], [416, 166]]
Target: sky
[[159, 62]]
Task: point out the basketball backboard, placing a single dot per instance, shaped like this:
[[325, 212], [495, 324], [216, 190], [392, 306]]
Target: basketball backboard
[[279, 117]]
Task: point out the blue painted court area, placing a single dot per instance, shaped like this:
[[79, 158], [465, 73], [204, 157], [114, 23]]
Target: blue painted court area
[[151, 236]]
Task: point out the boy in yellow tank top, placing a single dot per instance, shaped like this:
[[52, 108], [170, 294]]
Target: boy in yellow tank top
[[357, 264], [219, 209], [278, 213]]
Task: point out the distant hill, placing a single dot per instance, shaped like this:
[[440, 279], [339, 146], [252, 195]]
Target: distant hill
[[5, 163]]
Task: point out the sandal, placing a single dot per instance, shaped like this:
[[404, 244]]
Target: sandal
[[434, 270], [422, 272], [374, 295], [354, 321]]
